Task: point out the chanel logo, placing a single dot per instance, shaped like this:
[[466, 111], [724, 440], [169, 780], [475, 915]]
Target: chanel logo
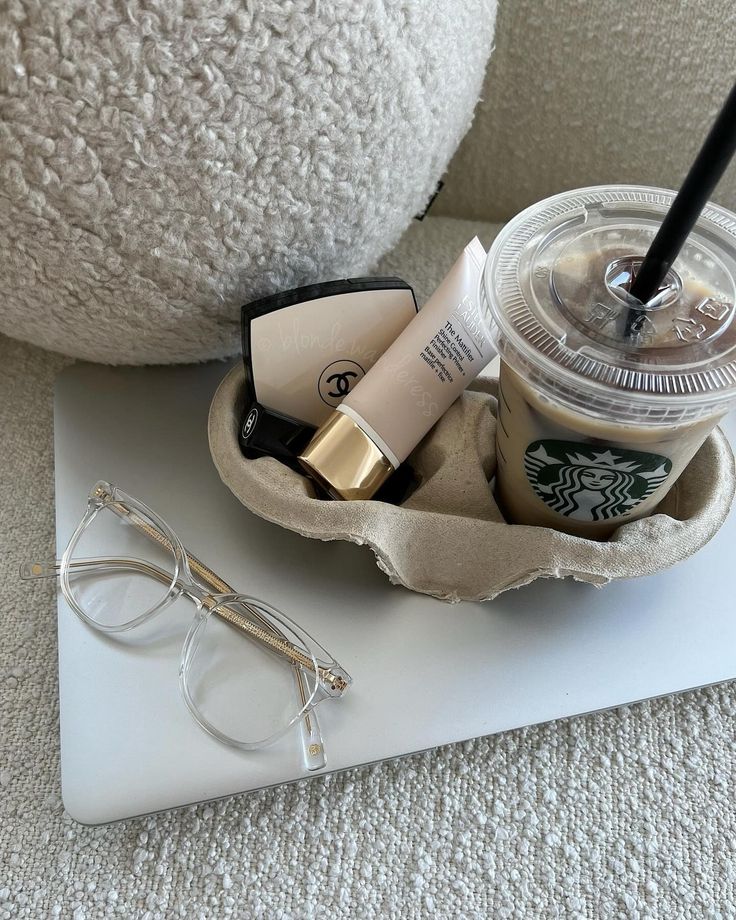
[[337, 380], [341, 383], [250, 423]]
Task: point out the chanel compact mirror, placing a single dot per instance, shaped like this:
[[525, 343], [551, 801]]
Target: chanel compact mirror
[[305, 349]]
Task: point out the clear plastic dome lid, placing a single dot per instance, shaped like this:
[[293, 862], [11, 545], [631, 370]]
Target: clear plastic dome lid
[[554, 296]]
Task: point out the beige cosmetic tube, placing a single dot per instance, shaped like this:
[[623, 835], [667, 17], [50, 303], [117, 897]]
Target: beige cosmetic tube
[[409, 388]]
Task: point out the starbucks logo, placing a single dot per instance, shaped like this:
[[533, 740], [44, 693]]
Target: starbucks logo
[[587, 483]]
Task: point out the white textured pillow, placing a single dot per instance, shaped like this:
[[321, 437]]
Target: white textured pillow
[[162, 163]]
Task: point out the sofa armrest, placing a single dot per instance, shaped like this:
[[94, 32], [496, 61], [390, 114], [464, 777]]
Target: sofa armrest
[[582, 93]]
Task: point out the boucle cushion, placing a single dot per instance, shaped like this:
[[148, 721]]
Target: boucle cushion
[[162, 163]]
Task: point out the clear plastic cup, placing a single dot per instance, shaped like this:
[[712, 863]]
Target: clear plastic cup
[[603, 401]]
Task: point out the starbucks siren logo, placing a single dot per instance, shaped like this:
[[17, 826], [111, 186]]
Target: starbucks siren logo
[[587, 483]]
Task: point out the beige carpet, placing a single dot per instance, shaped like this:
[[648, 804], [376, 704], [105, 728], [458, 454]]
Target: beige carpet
[[625, 814]]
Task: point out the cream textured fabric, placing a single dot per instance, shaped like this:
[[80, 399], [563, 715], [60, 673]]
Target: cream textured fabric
[[449, 539], [582, 93], [624, 815], [161, 163]]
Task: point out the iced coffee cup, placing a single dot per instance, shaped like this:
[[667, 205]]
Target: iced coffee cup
[[603, 400]]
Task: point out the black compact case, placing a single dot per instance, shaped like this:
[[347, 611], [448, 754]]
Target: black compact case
[[265, 433], [273, 431]]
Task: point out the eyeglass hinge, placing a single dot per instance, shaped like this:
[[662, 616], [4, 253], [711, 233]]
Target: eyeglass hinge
[[334, 682]]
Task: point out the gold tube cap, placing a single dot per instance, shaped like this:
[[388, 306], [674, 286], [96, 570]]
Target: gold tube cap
[[344, 460]]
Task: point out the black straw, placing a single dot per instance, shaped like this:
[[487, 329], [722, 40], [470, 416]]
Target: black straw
[[704, 175]]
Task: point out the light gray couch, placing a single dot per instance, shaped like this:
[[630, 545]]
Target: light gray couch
[[625, 814], [580, 93]]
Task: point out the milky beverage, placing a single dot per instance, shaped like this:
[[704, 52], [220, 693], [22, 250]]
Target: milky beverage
[[593, 491], [603, 402]]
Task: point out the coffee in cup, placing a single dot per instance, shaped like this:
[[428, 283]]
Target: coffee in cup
[[603, 401]]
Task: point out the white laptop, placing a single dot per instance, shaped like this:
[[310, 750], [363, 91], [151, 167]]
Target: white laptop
[[425, 673]]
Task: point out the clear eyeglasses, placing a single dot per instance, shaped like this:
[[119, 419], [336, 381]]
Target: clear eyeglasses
[[248, 673]]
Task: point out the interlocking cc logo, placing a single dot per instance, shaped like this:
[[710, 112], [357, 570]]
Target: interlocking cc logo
[[337, 380], [249, 424]]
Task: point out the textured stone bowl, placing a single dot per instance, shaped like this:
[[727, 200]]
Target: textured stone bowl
[[449, 539]]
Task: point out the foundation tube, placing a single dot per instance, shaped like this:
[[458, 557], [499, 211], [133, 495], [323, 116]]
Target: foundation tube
[[409, 388]]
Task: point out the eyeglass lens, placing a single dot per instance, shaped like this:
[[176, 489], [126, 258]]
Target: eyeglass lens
[[117, 594], [239, 686]]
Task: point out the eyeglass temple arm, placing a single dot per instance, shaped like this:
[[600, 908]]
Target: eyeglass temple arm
[[33, 570], [30, 571], [269, 634], [311, 734]]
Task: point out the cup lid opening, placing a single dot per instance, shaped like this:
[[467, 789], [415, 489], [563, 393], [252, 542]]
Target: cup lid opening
[[555, 299]]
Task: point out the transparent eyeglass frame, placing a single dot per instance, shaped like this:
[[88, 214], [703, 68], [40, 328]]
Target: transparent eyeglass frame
[[317, 676]]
